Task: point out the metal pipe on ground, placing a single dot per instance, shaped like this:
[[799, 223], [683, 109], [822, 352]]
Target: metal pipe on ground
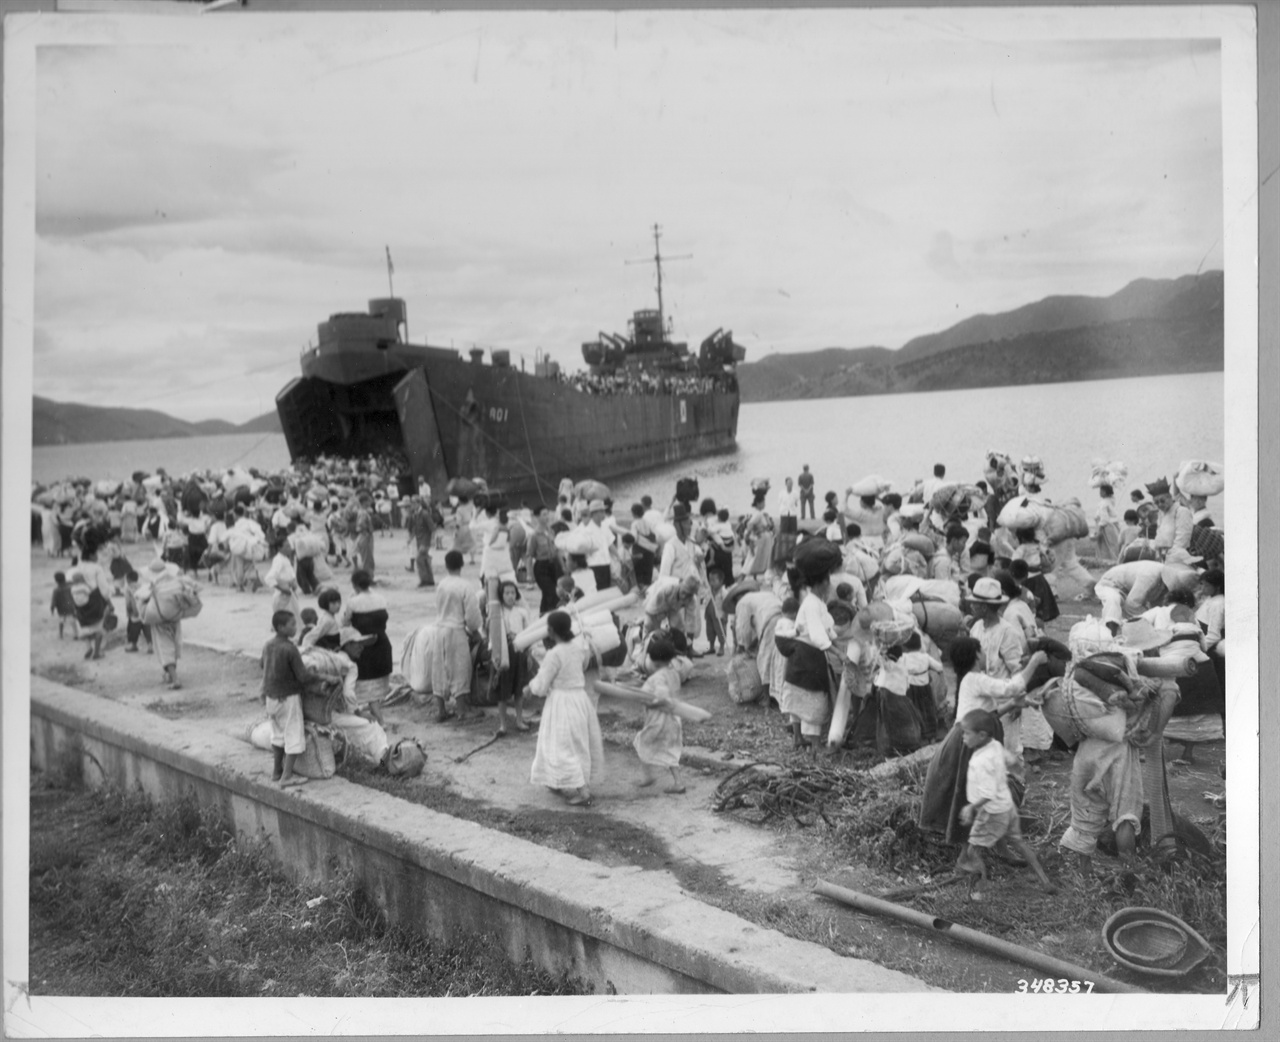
[[976, 938]]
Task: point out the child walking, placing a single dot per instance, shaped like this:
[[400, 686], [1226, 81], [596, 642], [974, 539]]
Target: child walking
[[713, 614], [919, 664], [134, 626], [661, 739], [990, 811], [63, 605], [283, 677]]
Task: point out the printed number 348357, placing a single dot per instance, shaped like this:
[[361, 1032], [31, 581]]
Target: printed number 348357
[[1049, 986]]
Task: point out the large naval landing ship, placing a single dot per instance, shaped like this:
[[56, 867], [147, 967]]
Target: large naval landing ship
[[642, 402]]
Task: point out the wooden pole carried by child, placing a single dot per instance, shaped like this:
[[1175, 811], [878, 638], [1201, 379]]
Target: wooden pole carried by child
[[661, 740]]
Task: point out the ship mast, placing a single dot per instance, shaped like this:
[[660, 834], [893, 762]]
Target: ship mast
[[657, 263]]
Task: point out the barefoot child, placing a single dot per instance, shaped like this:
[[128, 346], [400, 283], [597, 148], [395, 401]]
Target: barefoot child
[[990, 811], [283, 677], [714, 612], [661, 739], [63, 605]]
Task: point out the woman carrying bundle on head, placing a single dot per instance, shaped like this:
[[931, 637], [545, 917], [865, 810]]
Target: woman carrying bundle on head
[[757, 535], [1107, 519]]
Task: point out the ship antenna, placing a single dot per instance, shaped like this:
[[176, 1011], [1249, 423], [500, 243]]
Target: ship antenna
[[391, 270], [657, 262]]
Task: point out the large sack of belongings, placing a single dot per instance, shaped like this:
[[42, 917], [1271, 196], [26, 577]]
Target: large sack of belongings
[[745, 685], [173, 597], [1067, 521]]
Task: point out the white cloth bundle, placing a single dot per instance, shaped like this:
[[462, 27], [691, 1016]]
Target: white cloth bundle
[[871, 485], [416, 658], [594, 610], [1023, 512], [1199, 477]]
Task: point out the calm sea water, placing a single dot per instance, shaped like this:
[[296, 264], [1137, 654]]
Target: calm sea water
[[1151, 423]]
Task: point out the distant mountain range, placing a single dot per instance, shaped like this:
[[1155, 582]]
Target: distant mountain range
[[68, 423], [1151, 327]]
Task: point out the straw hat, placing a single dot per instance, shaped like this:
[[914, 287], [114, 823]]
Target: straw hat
[[597, 505], [157, 567], [679, 512], [988, 591], [1140, 635], [1152, 941]]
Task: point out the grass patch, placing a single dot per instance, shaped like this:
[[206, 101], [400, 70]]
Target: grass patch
[[134, 899], [855, 820]]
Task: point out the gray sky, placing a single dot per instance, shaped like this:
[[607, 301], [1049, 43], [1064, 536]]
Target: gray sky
[[207, 195]]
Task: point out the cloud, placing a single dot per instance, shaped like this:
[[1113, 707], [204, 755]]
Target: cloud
[[206, 205]]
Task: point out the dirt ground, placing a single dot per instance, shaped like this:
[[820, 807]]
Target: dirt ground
[[763, 872]]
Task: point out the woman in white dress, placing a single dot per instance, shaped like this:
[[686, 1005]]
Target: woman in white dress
[[570, 751]]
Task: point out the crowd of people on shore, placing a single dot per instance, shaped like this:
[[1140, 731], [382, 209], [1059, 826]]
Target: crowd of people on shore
[[845, 620]]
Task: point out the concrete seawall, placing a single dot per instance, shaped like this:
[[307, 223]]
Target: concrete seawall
[[622, 929]]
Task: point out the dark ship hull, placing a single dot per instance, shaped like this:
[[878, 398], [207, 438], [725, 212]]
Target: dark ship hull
[[364, 390]]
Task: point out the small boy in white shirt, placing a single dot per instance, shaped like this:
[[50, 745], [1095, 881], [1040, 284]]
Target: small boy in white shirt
[[989, 812]]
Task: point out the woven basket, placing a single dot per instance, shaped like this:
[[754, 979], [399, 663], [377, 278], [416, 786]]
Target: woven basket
[[1150, 942], [1139, 939]]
